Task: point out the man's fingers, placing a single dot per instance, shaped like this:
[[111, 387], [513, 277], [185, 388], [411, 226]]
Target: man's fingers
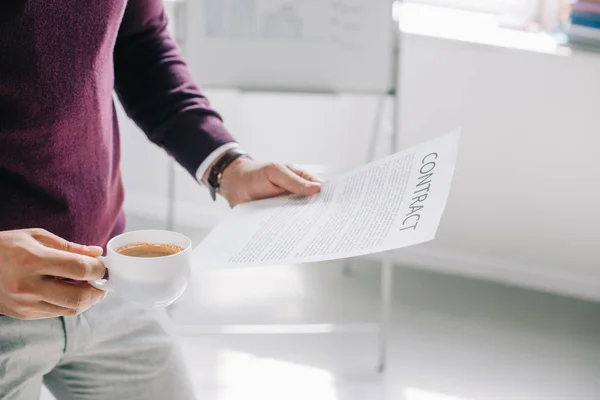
[[47, 310], [55, 242], [70, 296], [43, 310], [72, 266], [286, 179], [306, 175]]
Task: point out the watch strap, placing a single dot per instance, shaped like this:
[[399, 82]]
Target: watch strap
[[216, 171]]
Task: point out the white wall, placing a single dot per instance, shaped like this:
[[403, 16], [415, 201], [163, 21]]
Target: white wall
[[523, 208]]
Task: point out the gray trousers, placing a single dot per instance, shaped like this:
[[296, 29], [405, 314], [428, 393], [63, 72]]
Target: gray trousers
[[111, 352]]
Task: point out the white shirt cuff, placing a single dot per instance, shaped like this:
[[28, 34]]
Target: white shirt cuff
[[212, 158]]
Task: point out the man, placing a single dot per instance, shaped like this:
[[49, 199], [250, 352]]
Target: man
[[61, 193]]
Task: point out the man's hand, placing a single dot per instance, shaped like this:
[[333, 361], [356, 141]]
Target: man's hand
[[29, 262], [246, 180]]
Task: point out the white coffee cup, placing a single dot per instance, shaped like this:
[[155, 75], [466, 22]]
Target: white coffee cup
[[147, 281]]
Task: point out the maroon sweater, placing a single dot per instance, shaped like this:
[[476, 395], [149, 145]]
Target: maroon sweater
[[59, 142]]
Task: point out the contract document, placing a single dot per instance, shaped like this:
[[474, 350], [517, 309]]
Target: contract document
[[394, 202]]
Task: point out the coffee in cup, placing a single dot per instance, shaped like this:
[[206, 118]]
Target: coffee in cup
[[149, 249]]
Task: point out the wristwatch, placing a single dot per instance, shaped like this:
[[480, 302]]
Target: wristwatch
[[216, 171]]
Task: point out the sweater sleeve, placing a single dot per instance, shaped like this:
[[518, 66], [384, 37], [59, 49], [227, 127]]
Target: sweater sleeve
[[157, 90]]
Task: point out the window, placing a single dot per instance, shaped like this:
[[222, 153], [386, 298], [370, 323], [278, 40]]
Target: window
[[520, 14], [488, 6]]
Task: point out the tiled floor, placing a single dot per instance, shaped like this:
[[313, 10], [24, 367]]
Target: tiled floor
[[452, 338]]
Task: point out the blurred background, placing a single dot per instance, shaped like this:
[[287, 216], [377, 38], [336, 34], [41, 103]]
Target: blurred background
[[503, 304]]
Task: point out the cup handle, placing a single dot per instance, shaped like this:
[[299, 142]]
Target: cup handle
[[103, 284]]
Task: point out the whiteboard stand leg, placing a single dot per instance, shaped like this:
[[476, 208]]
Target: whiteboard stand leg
[[387, 278], [396, 77], [376, 132]]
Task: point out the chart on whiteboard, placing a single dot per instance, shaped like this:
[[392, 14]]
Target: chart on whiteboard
[[301, 20], [291, 45]]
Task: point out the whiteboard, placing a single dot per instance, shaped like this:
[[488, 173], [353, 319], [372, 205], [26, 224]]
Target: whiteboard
[[291, 45]]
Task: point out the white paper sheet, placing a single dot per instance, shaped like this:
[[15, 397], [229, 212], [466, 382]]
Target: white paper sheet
[[392, 203]]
